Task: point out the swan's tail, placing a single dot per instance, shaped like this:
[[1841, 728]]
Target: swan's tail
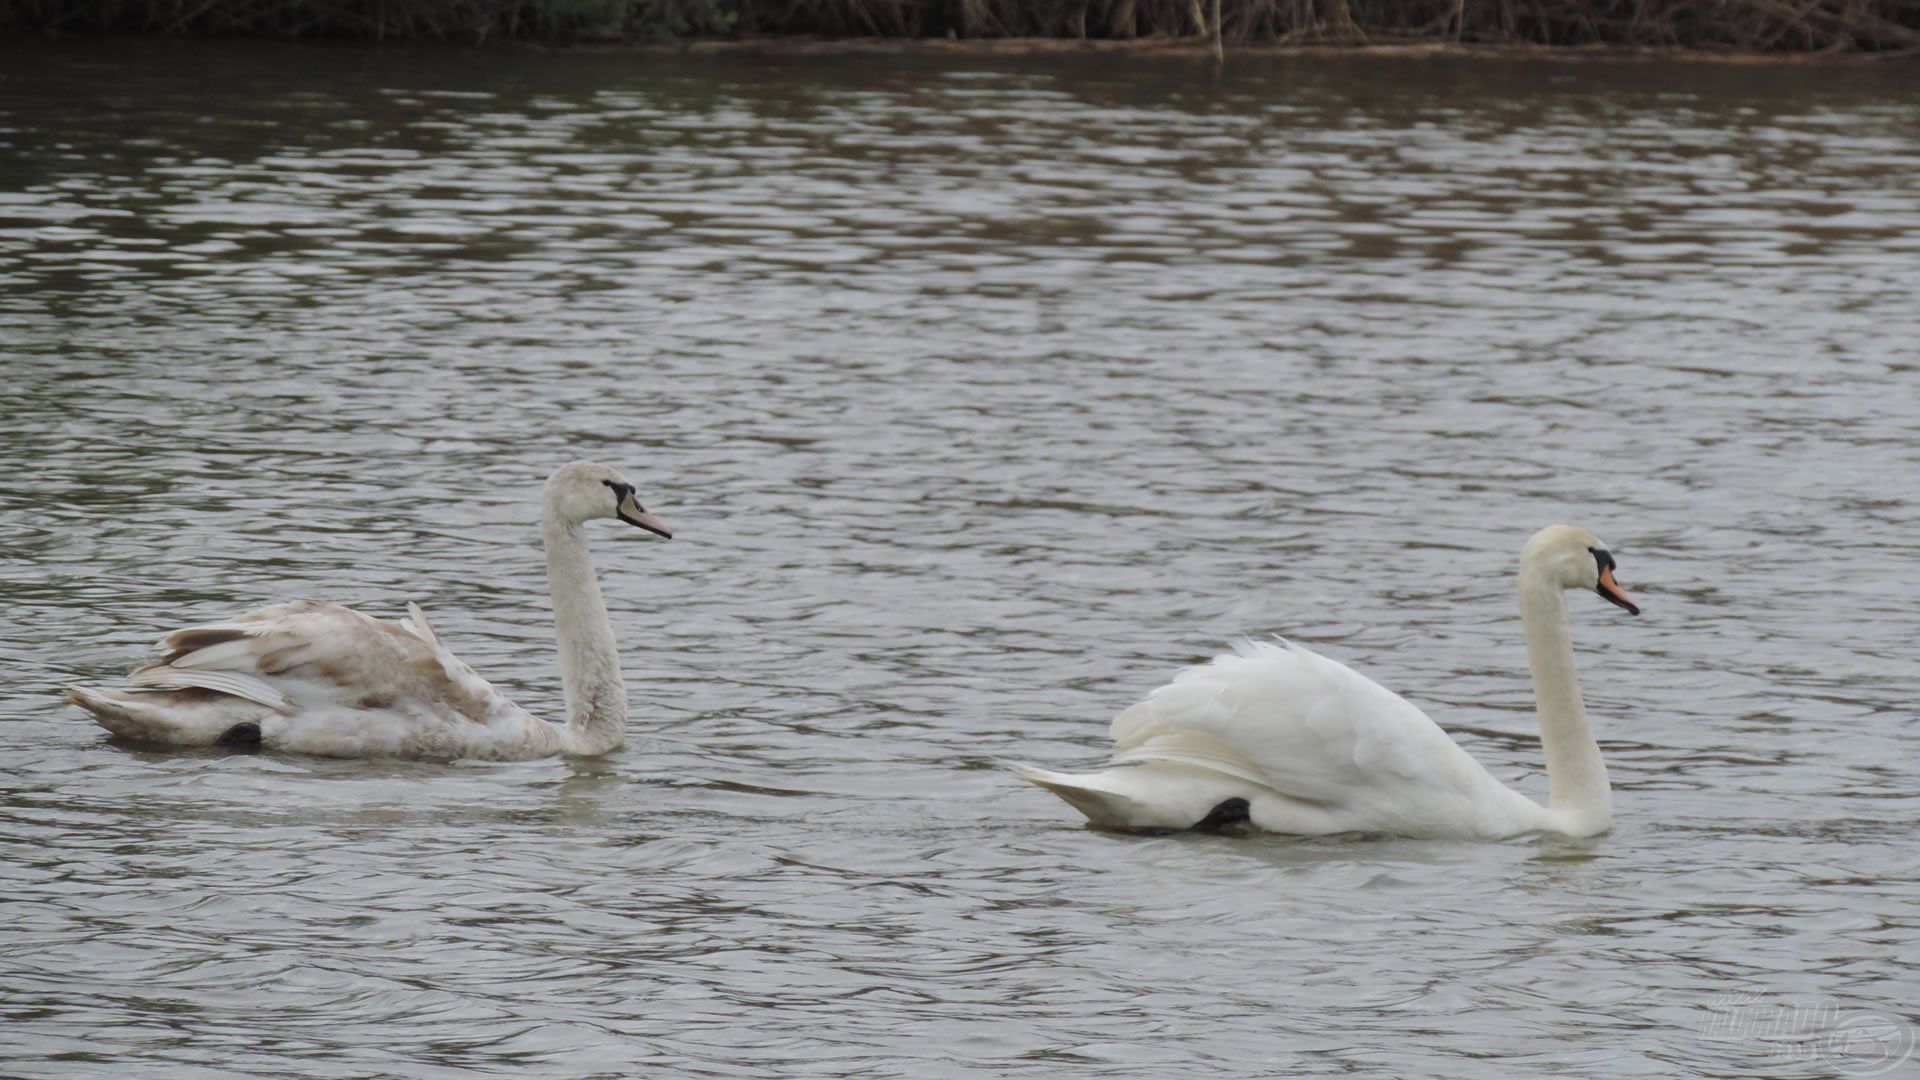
[[1086, 794], [182, 717], [1150, 795]]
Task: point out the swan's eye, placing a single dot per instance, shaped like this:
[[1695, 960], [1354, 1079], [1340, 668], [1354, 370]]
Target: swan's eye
[[1603, 558]]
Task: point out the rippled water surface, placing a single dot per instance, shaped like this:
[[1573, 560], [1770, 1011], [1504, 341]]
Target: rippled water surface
[[982, 395]]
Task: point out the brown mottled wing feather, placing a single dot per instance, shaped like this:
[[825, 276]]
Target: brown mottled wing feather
[[319, 655]]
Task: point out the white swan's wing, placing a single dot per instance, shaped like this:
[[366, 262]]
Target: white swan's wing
[[1313, 732]]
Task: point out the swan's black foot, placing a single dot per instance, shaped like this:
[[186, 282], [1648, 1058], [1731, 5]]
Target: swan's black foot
[[1231, 812], [246, 735]]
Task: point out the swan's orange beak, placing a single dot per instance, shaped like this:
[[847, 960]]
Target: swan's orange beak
[[1610, 589]]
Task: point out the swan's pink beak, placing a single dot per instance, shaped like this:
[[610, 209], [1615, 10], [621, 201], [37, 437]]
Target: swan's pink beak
[[1610, 589], [648, 522], [631, 512]]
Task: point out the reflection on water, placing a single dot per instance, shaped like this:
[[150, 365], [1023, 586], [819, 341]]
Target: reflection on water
[[981, 397]]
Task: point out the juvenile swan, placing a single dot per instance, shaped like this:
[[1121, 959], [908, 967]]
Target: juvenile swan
[[319, 678], [1288, 741]]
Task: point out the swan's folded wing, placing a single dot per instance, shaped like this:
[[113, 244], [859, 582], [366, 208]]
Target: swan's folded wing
[[416, 621], [1306, 726], [231, 683], [319, 656]]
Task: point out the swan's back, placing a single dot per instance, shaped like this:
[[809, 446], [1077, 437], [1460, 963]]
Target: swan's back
[[1316, 747], [313, 677]]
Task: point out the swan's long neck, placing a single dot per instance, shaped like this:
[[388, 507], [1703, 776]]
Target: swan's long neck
[[589, 667], [1576, 777]]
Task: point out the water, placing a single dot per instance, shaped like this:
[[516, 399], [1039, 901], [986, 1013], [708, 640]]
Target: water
[[981, 395]]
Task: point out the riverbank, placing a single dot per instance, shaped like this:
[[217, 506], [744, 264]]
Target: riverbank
[[1203, 49], [1708, 28]]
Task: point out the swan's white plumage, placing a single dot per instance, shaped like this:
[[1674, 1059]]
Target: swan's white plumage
[[1311, 744], [320, 678], [1314, 747]]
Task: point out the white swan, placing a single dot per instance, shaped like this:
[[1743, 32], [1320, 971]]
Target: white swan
[[1288, 741], [318, 678]]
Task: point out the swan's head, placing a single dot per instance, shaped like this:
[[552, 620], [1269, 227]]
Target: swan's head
[[586, 490], [1573, 558]]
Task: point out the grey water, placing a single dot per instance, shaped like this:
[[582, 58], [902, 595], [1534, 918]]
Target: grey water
[[982, 396]]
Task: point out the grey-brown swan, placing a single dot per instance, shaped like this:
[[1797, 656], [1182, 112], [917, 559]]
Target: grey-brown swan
[[319, 678]]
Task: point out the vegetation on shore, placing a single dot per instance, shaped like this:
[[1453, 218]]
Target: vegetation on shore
[[1717, 25]]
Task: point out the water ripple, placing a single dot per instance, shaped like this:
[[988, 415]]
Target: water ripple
[[980, 397]]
